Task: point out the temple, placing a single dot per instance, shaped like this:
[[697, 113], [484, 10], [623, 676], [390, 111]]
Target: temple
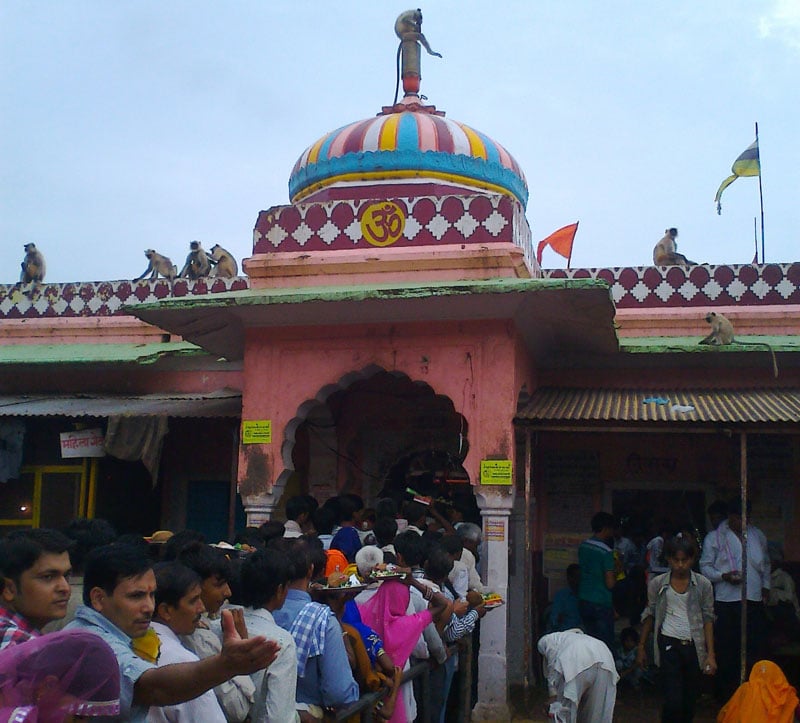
[[393, 318]]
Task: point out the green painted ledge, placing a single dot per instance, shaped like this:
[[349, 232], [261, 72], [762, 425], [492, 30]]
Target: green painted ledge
[[98, 353], [271, 297], [684, 344]]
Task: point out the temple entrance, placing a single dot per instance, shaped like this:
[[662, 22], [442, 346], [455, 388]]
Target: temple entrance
[[378, 435]]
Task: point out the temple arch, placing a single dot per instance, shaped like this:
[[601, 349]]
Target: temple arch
[[358, 433]]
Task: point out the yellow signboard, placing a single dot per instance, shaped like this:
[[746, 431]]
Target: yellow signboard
[[496, 472], [257, 431]]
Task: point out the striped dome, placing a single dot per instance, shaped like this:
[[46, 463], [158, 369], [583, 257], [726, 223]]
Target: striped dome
[[407, 144]]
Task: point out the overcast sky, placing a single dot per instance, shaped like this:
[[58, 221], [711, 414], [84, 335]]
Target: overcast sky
[[129, 124]]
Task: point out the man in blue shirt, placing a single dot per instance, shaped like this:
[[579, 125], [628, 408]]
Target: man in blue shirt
[[323, 679], [596, 560], [119, 600], [564, 612]]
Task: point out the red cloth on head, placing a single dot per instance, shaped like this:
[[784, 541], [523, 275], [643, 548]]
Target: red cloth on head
[[336, 560]]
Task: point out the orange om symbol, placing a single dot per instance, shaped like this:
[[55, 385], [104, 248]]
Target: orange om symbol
[[382, 223]]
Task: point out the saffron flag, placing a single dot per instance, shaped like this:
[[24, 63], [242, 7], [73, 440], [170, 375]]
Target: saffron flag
[[560, 241], [747, 164]]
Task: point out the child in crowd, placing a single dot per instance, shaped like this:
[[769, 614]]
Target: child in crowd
[[680, 609], [625, 659]]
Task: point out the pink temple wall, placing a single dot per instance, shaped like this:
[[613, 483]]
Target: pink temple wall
[[478, 365]]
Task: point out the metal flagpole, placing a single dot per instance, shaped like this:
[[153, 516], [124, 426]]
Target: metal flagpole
[[755, 239], [743, 477], [528, 573], [760, 197]]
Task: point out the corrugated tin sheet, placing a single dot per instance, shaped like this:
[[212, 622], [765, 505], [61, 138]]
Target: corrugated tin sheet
[[221, 403], [636, 405]]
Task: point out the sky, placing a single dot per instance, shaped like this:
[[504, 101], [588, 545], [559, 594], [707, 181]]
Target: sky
[[139, 124]]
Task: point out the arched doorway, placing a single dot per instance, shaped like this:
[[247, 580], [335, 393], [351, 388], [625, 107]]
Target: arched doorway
[[374, 433]]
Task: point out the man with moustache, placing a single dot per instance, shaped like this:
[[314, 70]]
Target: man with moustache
[[119, 601], [235, 696], [34, 579], [179, 607]]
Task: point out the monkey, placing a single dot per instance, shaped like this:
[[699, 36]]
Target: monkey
[[665, 253], [722, 335], [158, 264], [33, 266], [225, 264], [408, 26], [197, 265]]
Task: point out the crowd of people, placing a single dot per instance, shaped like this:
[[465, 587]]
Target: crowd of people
[[684, 593], [292, 621]]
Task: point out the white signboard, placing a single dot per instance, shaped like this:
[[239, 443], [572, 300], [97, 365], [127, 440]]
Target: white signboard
[[84, 443]]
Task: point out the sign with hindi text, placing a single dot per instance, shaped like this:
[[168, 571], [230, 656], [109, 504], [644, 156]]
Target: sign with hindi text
[[83, 443], [496, 472], [257, 431]]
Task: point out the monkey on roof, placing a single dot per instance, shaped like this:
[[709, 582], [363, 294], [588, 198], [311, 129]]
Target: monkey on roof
[[408, 26], [33, 267], [722, 335], [666, 253], [158, 264], [198, 264]]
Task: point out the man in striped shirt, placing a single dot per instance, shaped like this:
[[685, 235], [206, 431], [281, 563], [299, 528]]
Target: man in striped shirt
[[35, 585]]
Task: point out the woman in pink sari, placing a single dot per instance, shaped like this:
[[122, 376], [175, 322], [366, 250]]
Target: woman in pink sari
[[387, 612], [54, 677]]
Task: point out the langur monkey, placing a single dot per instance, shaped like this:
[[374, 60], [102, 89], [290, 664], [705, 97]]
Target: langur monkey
[[722, 335], [197, 265], [665, 253], [158, 264], [225, 265], [408, 26], [33, 267]]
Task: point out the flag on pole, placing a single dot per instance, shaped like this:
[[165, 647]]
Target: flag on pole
[[560, 241], [747, 164]]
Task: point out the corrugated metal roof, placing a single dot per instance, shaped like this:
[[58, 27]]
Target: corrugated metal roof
[[221, 403], [93, 353], [637, 405]]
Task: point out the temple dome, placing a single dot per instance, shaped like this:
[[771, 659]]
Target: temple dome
[[408, 141]]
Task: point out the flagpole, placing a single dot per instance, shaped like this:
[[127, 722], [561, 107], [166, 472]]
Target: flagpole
[[569, 258], [760, 197], [755, 237]]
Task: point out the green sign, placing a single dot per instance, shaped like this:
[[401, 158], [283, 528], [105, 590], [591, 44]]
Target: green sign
[[496, 472], [257, 431]]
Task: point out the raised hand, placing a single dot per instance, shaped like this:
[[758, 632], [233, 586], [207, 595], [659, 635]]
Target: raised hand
[[243, 657]]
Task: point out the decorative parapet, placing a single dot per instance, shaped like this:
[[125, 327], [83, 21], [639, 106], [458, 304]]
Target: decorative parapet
[[102, 298], [642, 287], [428, 221]]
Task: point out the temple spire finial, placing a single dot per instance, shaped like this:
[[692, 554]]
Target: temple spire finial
[[408, 27]]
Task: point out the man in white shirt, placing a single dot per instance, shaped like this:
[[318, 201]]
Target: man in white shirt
[[178, 610], [235, 696], [471, 536], [118, 595], [298, 514], [416, 513], [265, 582], [721, 562]]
